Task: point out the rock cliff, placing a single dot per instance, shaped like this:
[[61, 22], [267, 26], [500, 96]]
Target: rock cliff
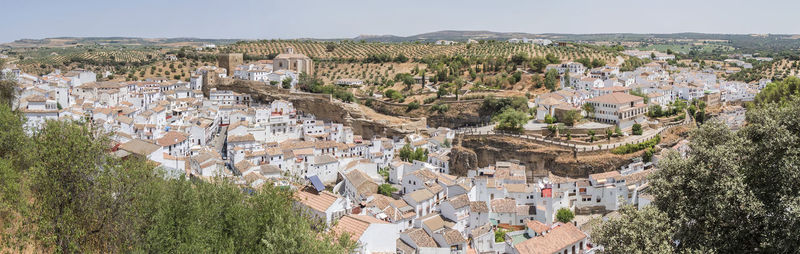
[[471, 152], [364, 123]]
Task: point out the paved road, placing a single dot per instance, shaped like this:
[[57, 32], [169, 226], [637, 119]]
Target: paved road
[[218, 142]]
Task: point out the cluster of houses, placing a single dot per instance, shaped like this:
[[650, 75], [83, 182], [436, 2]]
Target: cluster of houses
[[434, 212], [342, 178], [609, 90], [652, 55], [281, 71], [542, 42]]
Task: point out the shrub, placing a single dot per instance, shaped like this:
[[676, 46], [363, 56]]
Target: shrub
[[632, 148], [386, 189], [440, 107], [499, 236], [549, 119], [394, 95], [511, 120], [636, 129], [571, 117], [564, 215], [413, 105]]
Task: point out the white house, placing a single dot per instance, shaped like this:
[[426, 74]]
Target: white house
[[321, 204], [621, 109], [371, 234]]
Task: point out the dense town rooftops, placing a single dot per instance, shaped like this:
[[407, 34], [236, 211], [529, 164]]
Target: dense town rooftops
[[319, 201], [558, 238]]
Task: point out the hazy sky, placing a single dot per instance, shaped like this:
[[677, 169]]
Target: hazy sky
[[265, 19]]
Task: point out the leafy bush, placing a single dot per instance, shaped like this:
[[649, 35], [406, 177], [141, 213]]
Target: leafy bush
[[440, 107], [632, 148], [511, 120], [386, 189], [394, 95], [636, 129], [571, 117], [564, 215], [412, 106], [548, 119], [494, 105], [499, 235], [408, 154]]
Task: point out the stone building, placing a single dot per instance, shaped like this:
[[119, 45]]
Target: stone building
[[229, 61], [288, 60]]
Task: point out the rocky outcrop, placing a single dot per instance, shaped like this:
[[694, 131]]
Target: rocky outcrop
[[463, 159], [459, 113], [320, 105], [539, 159]]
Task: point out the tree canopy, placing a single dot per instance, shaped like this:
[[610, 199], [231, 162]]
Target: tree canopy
[[511, 120], [564, 215], [736, 191]]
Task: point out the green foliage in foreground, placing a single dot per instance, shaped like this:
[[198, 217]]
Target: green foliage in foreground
[[781, 91], [71, 195], [632, 148], [735, 192]]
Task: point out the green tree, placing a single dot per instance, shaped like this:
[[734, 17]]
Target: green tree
[[552, 59], [597, 62], [551, 79], [286, 83], [8, 91], [585, 61], [401, 58], [564, 215], [409, 154], [589, 108], [519, 58], [636, 129], [68, 157], [735, 191], [548, 119], [412, 106], [571, 117], [511, 120], [386, 189], [636, 231], [84, 199], [538, 64]]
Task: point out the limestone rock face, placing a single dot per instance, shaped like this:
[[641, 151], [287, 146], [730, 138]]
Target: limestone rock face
[[323, 107], [539, 159], [462, 160]]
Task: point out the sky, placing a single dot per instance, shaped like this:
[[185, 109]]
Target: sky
[[323, 19]]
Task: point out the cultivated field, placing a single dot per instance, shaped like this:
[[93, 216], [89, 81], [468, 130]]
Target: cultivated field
[[357, 50]]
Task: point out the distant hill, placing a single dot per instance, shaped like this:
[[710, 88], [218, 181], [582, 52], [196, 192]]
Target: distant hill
[[451, 35], [751, 42], [113, 41]]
